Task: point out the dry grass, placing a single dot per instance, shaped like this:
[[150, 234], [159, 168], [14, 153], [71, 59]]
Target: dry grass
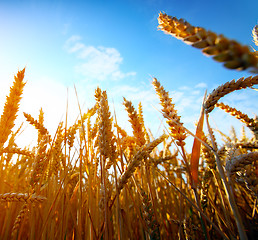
[[93, 180]]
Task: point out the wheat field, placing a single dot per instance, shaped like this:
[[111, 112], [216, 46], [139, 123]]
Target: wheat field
[[92, 180]]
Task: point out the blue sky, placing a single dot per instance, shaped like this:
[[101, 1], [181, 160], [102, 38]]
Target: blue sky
[[116, 45]]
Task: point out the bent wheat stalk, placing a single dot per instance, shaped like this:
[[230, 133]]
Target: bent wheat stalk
[[21, 197], [230, 52], [135, 162], [227, 88], [236, 163], [251, 123]]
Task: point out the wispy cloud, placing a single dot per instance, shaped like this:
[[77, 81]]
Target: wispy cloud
[[201, 85], [96, 63]]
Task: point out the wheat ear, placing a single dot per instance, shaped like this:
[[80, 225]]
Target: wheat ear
[[236, 163], [21, 197], [141, 119], [227, 88], [57, 155], [170, 113], [230, 52], [11, 107], [255, 34], [40, 163], [136, 161], [39, 126], [136, 122], [106, 138], [245, 165], [149, 217], [17, 151], [19, 220], [249, 122], [71, 134]]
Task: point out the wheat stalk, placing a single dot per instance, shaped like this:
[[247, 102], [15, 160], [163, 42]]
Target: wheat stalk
[[227, 88], [255, 34], [21, 197], [40, 163], [136, 161], [239, 162], [233, 54], [245, 165], [38, 125], [169, 112], [149, 217], [17, 151], [249, 122], [106, 138], [19, 219], [11, 107], [57, 155], [136, 122]]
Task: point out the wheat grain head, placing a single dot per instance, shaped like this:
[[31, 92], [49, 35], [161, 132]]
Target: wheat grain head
[[227, 88], [230, 52], [11, 107]]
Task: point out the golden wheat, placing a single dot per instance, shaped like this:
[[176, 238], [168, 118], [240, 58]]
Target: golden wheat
[[40, 163], [17, 151], [245, 165], [11, 107], [39, 126], [236, 163], [255, 34], [136, 161], [78, 196], [136, 122], [233, 54], [227, 88], [57, 156], [21, 197], [106, 138], [19, 219], [148, 214], [251, 123], [169, 112]]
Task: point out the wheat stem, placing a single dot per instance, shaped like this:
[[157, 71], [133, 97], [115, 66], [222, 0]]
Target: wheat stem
[[227, 88], [230, 52]]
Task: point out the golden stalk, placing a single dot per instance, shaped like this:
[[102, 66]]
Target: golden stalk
[[136, 122], [255, 34], [227, 88], [136, 161], [169, 112], [21, 197], [11, 107], [230, 52], [251, 123]]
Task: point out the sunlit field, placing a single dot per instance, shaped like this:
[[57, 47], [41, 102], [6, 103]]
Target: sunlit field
[[94, 180]]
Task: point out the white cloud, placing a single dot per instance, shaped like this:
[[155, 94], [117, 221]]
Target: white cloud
[[184, 88], [201, 85], [96, 63]]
